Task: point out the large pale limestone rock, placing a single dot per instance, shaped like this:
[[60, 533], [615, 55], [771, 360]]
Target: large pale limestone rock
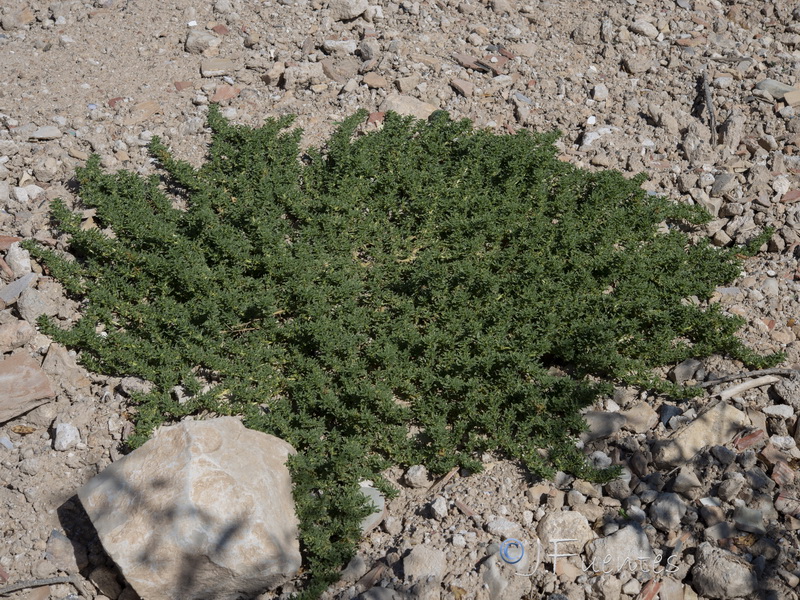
[[715, 427], [202, 510]]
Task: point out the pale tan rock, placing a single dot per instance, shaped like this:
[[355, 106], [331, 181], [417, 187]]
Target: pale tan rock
[[62, 368], [216, 67], [715, 427], [640, 418], [202, 510], [407, 106], [23, 386], [15, 334], [572, 528]]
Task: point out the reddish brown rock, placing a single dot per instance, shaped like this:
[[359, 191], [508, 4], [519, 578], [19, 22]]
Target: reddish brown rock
[[7, 240], [375, 81], [225, 92], [465, 88]]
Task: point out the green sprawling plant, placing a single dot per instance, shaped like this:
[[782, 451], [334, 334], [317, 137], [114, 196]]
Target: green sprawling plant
[[418, 294]]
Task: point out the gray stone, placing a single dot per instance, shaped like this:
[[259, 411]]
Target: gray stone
[[355, 569], [620, 550], [640, 418], [423, 562], [775, 88], [67, 437], [784, 411], [438, 508], [719, 531], [204, 509], [644, 28], [667, 511], [721, 574], [686, 480], [601, 425], [339, 47], [198, 41], [35, 302], [503, 528], [382, 593], [344, 10], [730, 488], [23, 386], [135, 385], [636, 64], [416, 476], [724, 183], [19, 260], [685, 371], [65, 554], [749, 519], [600, 92], [566, 525], [48, 132], [374, 519]]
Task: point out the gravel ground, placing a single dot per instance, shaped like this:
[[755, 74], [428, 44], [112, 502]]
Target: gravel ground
[[697, 94]]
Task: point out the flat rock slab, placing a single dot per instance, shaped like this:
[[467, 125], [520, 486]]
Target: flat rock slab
[[203, 510], [216, 67], [407, 106], [23, 386], [715, 427]]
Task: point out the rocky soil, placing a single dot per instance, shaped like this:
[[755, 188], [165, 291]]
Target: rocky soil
[[698, 94]]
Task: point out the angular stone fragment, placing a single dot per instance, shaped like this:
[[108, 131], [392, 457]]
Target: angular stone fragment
[[601, 425], [344, 10], [15, 334], [48, 132], [202, 510], [216, 67], [23, 386], [199, 41], [775, 88], [718, 573], [749, 519], [225, 92], [339, 70], [667, 511], [142, 111], [463, 87], [375, 80], [11, 292], [62, 368], [566, 525], [716, 426], [407, 106], [423, 562], [640, 418], [624, 549]]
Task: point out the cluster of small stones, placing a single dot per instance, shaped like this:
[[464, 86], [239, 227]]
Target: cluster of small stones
[[632, 85]]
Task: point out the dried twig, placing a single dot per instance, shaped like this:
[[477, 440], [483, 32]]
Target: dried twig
[[443, 481], [746, 385], [23, 585], [759, 373], [709, 100]]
